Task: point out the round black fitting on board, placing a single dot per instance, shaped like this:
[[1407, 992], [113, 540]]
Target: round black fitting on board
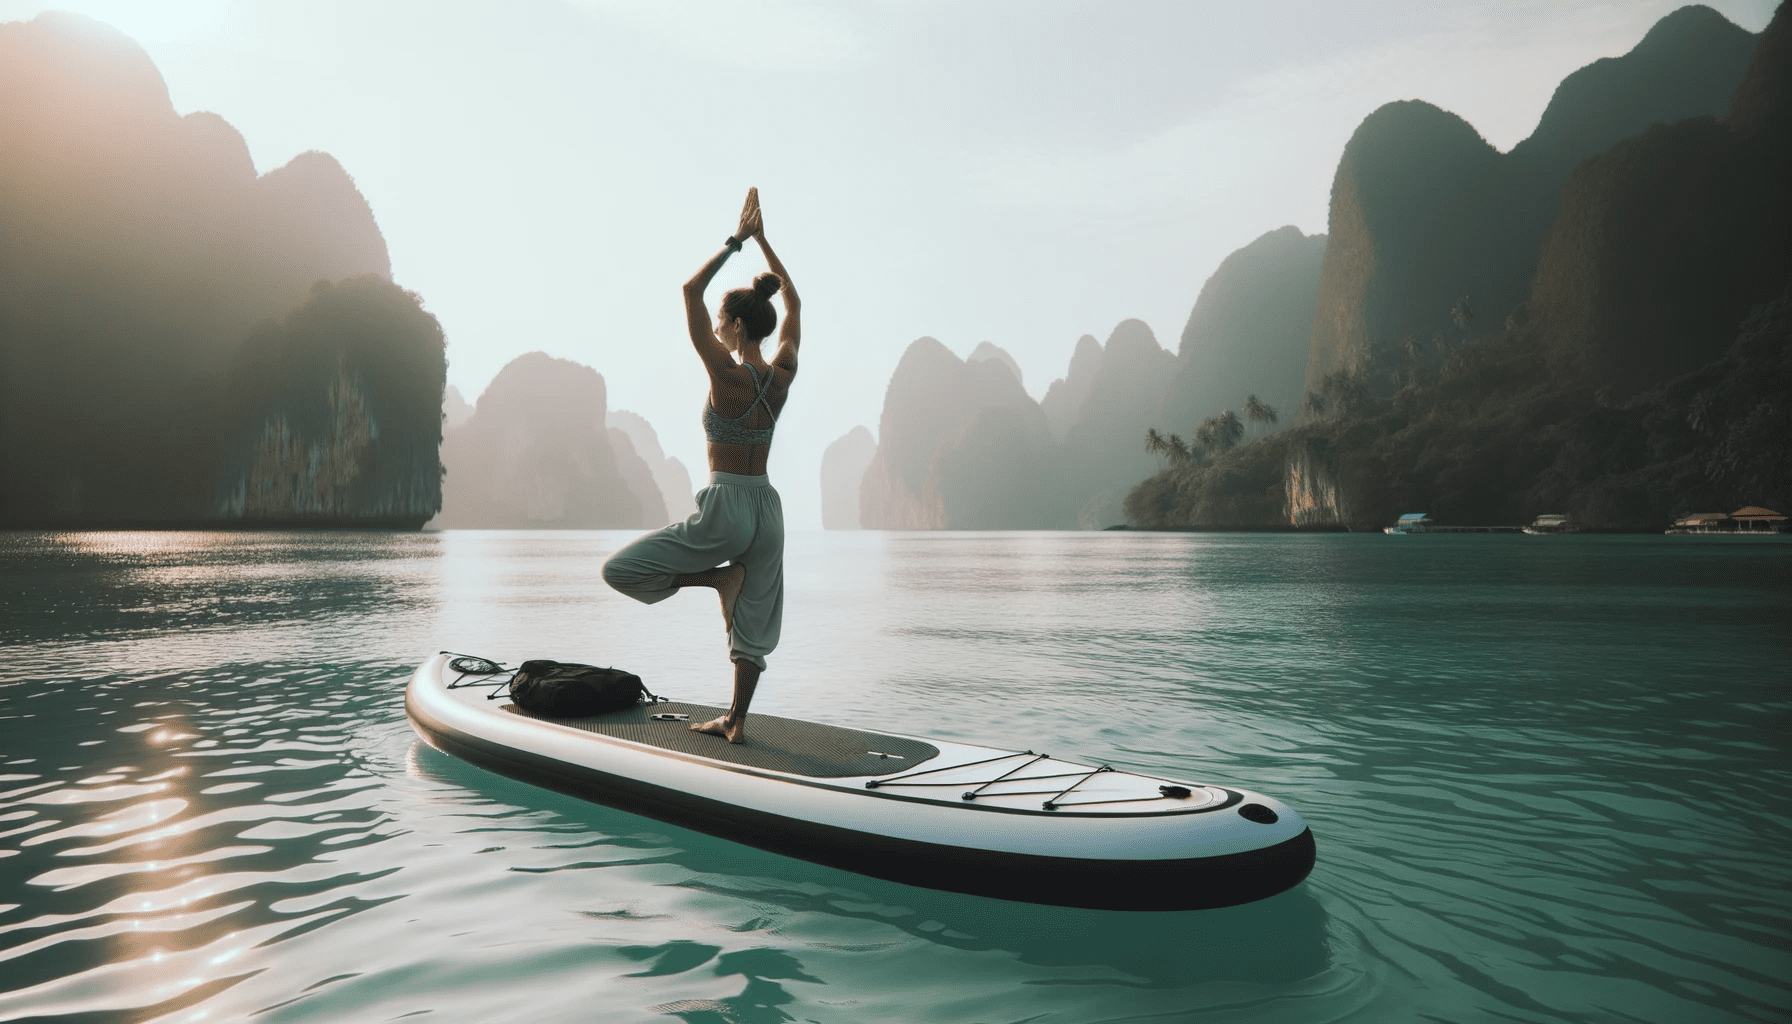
[[1258, 813]]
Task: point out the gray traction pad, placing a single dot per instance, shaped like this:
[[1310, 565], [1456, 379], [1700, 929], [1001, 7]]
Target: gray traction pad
[[775, 744]]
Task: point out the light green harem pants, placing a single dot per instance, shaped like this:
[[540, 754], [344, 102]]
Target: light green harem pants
[[739, 519]]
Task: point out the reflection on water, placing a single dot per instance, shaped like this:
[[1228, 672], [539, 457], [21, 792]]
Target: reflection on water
[[1548, 778]]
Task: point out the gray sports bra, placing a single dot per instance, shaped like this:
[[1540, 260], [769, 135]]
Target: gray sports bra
[[725, 430]]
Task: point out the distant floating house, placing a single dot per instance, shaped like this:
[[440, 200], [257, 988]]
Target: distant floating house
[[1699, 522], [1551, 523], [1411, 522], [1751, 519], [1754, 517]]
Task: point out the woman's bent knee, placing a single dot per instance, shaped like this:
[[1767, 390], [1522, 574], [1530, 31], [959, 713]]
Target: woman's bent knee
[[617, 575], [637, 581]]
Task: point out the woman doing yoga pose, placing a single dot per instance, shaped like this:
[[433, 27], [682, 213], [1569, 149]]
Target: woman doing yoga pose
[[739, 520]]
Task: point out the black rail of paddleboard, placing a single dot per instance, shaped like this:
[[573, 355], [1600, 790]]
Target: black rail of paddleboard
[[1196, 883]]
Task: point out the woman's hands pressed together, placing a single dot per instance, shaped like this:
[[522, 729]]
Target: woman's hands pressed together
[[751, 221]]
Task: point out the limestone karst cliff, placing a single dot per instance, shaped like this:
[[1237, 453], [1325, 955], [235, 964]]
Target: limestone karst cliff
[[1425, 213], [1103, 451], [670, 476], [987, 350], [633, 468], [962, 446], [537, 453], [1249, 333], [932, 400], [1666, 241], [334, 417], [139, 252], [843, 467], [455, 407], [1647, 371], [1065, 395]]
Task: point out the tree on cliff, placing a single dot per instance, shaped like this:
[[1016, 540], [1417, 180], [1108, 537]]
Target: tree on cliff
[[1259, 411], [1220, 433], [1649, 371], [1168, 446], [139, 250], [335, 411]]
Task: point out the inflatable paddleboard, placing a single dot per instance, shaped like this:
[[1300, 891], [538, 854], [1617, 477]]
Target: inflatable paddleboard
[[1011, 824]]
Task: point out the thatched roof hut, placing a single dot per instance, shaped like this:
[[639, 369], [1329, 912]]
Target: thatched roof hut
[[1754, 517]]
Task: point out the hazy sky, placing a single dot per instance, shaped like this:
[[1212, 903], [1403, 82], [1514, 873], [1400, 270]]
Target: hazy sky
[[547, 174]]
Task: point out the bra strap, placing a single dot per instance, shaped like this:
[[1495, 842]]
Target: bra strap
[[759, 389]]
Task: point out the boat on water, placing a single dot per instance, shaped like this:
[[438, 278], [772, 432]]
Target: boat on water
[[1547, 525], [1411, 522], [1421, 522], [1009, 824]]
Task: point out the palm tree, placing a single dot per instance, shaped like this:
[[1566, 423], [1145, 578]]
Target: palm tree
[[1231, 430], [1259, 411], [1179, 450], [1219, 433], [1159, 445], [1207, 434], [1169, 445]]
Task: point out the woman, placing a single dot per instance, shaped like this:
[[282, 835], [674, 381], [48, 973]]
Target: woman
[[739, 519]]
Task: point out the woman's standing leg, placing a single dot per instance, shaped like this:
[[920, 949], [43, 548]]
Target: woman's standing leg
[[758, 611]]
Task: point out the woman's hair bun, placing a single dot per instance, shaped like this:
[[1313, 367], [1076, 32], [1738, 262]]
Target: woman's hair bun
[[767, 285]]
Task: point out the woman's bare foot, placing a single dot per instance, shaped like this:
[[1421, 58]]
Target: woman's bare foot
[[734, 732], [733, 725], [733, 577]]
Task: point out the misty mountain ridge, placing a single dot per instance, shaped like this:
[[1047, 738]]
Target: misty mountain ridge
[[145, 268], [1424, 212], [961, 445], [1647, 370], [975, 457], [1065, 395], [542, 450], [670, 477], [843, 466], [1250, 332], [1436, 240], [455, 408], [989, 350]]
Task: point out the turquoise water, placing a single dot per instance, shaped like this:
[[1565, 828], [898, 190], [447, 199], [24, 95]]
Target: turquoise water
[[1548, 777]]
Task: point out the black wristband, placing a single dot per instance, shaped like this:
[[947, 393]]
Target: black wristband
[[733, 243]]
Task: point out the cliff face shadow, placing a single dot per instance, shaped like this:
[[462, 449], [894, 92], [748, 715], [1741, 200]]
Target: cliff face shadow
[[182, 341]]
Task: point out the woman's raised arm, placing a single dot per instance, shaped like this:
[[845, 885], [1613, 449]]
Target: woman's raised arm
[[710, 348], [791, 334]]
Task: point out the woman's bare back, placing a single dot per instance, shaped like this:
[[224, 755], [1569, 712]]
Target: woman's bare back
[[731, 393]]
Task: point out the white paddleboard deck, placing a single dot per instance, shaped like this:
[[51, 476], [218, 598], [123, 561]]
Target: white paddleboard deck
[[1010, 824]]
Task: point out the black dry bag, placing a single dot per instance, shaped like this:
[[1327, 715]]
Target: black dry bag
[[561, 690]]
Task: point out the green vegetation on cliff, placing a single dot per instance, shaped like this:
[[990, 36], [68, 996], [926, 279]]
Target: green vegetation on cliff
[[1424, 211], [333, 413], [1647, 373], [1494, 436], [166, 354]]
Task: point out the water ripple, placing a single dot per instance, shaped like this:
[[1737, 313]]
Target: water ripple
[[1547, 783]]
